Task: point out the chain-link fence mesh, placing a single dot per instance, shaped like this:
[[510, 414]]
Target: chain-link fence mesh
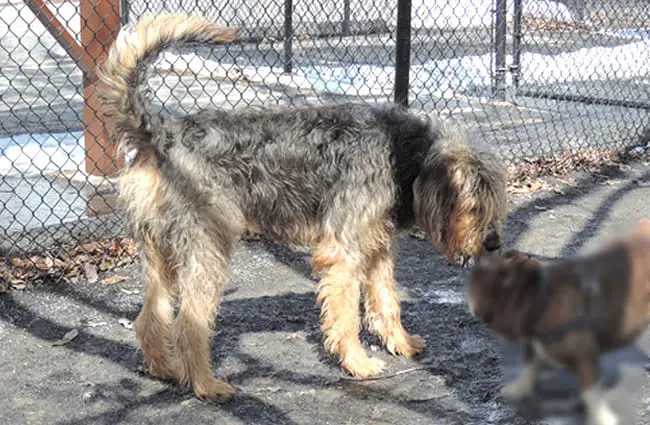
[[530, 77]]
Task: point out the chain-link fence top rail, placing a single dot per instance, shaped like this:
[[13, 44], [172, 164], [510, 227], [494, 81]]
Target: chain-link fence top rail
[[564, 76]]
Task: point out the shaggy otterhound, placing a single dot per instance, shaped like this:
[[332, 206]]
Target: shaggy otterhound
[[342, 179]]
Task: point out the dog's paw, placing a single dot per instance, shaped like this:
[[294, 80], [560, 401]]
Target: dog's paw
[[599, 411], [214, 390], [405, 345], [362, 366], [516, 391], [463, 261], [159, 369], [602, 414]]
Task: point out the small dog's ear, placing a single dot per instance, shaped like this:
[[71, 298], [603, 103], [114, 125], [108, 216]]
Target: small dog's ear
[[513, 255]]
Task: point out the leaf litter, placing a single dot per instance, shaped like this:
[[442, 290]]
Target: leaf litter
[[69, 264]]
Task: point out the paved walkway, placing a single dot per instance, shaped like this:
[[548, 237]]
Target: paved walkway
[[268, 342]]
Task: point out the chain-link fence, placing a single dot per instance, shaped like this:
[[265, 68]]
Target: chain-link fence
[[530, 77]]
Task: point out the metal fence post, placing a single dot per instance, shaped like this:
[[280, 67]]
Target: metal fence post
[[124, 12], [288, 36], [346, 17], [403, 52], [515, 69], [501, 11]]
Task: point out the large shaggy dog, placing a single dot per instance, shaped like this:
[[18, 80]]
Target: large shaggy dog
[[567, 313], [342, 179]]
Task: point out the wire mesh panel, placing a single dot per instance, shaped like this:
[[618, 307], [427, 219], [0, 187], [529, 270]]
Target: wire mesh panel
[[537, 77], [48, 194], [531, 77]]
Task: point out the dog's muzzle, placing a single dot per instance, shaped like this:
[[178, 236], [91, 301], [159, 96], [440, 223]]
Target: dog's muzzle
[[492, 242]]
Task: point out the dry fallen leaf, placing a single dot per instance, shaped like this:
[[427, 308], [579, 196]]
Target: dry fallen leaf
[[67, 338], [125, 322], [44, 263], [91, 272], [129, 291], [113, 280], [106, 264], [87, 324], [90, 247], [293, 336], [534, 186], [18, 284]]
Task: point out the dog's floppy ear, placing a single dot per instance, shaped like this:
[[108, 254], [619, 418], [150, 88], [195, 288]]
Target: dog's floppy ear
[[513, 255], [529, 270], [520, 265], [435, 201]]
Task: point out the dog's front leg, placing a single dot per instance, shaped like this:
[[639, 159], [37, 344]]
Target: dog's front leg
[[524, 385], [382, 307], [339, 294], [599, 411]]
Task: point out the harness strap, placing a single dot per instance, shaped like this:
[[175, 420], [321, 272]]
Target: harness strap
[[586, 284]]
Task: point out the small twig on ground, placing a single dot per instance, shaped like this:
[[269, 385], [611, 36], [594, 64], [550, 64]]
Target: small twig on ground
[[392, 375]]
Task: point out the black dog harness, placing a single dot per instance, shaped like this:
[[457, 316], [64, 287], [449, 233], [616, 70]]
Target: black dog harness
[[586, 284]]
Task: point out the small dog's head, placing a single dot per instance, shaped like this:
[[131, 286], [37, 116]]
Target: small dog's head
[[501, 288], [643, 226], [460, 197]]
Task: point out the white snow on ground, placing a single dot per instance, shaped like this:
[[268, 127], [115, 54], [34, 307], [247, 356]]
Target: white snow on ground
[[470, 13], [442, 78], [467, 74], [26, 154]]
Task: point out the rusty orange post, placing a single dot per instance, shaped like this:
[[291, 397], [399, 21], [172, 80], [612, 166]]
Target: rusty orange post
[[100, 24]]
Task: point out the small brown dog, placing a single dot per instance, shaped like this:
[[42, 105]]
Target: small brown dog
[[567, 313]]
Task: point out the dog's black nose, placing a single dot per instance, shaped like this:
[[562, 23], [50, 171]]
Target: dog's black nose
[[492, 242]]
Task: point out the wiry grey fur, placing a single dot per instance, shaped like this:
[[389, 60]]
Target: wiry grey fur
[[343, 179]]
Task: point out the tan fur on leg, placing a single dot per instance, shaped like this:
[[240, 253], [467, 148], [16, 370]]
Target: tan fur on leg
[[339, 295], [203, 276], [382, 309], [153, 325], [141, 187]]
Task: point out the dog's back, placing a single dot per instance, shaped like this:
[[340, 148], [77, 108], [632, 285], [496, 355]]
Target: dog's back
[[616, 282]]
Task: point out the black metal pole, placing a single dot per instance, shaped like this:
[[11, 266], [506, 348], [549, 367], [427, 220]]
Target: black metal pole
[[124, 12], [515, 69], [346, 17], [500, 49], [288, 36], [403, 52]]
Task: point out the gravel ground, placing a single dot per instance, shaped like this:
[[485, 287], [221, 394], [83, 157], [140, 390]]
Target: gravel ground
[[268, 342]]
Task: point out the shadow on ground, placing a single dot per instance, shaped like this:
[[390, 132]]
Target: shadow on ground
[[268, 342]]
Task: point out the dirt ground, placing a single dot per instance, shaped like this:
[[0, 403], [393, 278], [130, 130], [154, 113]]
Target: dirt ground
[[268, 342]]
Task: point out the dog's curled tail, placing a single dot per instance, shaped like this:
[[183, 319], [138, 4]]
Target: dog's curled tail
[[122, 77]]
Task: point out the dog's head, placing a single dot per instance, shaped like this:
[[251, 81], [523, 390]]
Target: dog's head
[[501, 289], [460, 197], [643, 226]]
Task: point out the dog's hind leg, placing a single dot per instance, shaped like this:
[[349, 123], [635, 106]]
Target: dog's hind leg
[[153, 325], [381, 302], [339, 296], [202, 276]]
